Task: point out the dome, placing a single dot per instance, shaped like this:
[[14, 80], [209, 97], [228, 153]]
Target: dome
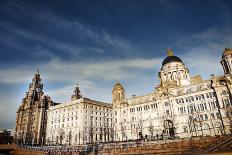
[[228, 51], [118, 87], [171, 59]]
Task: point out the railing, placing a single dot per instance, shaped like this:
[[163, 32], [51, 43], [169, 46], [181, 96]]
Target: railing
[[168, 145], [222, 143]]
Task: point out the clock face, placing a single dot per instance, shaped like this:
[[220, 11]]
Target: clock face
[[38, 89]]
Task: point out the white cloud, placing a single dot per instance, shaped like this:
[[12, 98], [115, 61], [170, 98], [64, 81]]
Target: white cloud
[[58, 70]]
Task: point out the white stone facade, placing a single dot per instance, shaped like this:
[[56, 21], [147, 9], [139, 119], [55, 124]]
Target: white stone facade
[[80, 121], [181, 106]]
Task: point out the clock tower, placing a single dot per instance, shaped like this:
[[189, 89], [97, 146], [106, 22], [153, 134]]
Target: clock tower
[[31, 119]]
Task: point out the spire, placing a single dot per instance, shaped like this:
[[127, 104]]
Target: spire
[[169, 52], [37, 71]]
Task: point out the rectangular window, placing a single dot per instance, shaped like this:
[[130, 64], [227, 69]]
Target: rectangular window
[[201, 107], [201, 117], [212, 115], [218, 115], [206, 117], [167, 112]]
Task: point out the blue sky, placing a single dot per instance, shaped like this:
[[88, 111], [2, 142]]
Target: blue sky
[[96, 43]]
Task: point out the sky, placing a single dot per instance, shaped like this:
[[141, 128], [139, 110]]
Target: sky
[[96, 43]]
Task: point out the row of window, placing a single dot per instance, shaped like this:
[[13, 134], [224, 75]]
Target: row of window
[[104, 114], [68, 114], [63, 110], [145, 107], [96, 108], [197, 97], [96, 124], [200, 107], [63, 120]]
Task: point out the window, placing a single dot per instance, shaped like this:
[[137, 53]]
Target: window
[[182, 110], [146, 107], [132, 110], [218, 115], [205, 106], [191, 109], [212, 115], [201, 117], [185, 129], [132, 118], [192, 98], [206, 117], [139, 108], [212, 105], [201, 107], [227, 102], [167, 112]]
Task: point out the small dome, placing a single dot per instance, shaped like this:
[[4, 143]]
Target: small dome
[[228, 51], [171, 59], [118, 87]]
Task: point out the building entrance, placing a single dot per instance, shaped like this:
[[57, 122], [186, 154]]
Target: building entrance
[[169, 129]]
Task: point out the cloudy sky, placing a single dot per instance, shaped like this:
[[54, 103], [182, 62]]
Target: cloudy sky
[[98, 42]]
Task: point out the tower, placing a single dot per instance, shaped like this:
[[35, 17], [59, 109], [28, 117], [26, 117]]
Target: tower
[[31, 119], [118, 94], [76, 94], [173, 71], [226, 62]]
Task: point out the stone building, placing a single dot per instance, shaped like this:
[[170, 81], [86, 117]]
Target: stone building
[[31, 119], [80, 121], [180, 106]]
